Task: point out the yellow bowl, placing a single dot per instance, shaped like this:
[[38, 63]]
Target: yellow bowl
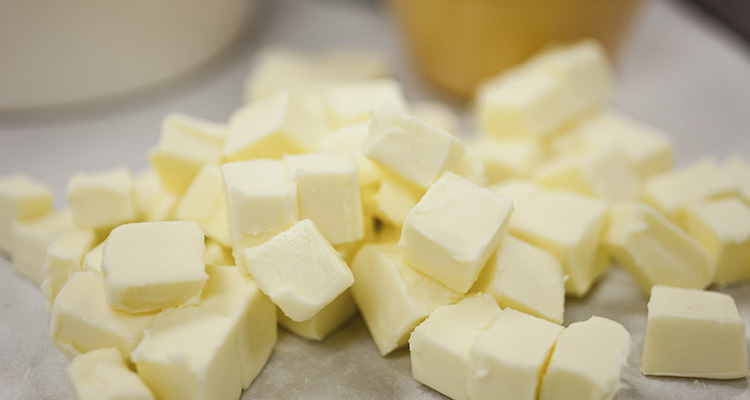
[[460, 43]]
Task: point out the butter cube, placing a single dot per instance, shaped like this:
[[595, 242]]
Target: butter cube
[[587, 361], [394, 199], [441, 345], [149, 266], [92, 261], [21, 199], [723, 228], [508, 360], [436, 114], [694, 333], [154, 203], [738, 169], [279, 68], [185, 146], [299, 270], [504, 159], [352, 102], [410, 148], [102, 199], [82, 321], [30, 239], [669, 192], [520, 191], [567, 225], [392, 297], [348, 141], [654, 250], [525, 278], [604, 174], [190, 354], [328, 195], [234, 295], [217, 255], [328, 320], [205, 203], [271, 127], [65, 257], [104, 375], [471, 166], [453, 230]]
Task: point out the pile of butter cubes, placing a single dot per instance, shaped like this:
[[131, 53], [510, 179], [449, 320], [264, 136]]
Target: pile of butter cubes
[[328, 193]]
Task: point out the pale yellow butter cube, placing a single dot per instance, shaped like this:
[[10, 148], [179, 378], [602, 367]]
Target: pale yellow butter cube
[[520, 191], [525, 278], [504, 159], [279, 68], [154, 203], [394, 199], [22, 198], [92, 261], [104, 375], [29, 242], [587, 361], [299, 270], [218, 255], [328, 195], [392, 297], [723, 228], [440, 346], [149, 266], [694, 333], [65, 257], [410, 148], [670, 191], [351, 102], [654, 250], [508, 360], [82, 321], [205, 203], [328, 320], [185, 146], [102, 199], [738, 169], [190, 354], [471, 165], [453, 230], [568, 225], [348, 141], [436, 114], [230, 293]]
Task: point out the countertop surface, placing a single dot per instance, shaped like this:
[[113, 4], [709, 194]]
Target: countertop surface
[[679, 71]]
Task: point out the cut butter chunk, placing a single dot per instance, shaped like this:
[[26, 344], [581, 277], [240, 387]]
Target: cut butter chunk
[[654, 250], [453, 230], [394, 199], [205, 203], [350, 102], [723, 228], [505, 159], [153, 201], [30, 240], [65, 257], [520, 191], [299, 270], [525, 278], [348, 141], [569, 226], [218, 255], [92, 261], [104, 375], [738, 169], [508, 360], [22, 198], [587, 361], [436, 114], [102, 199], [694, 333], [392, 297], [441, 345], [327, 321], [149, 266]]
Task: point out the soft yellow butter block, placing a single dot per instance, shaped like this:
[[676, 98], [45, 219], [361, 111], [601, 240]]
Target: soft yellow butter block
[[471, 165], [569, 226], [299, 270], [410, 148], [518, 190], [441, 345], [328, 195], [350, 102], [22, 198], [525, 278], [504, 159], [205, 203], [436, 114], [104, 375], [185, 146], [392, 297], [64, 257], [587, 361], [230, 293], [271, 127], [694, 333], [218, 255], [670, 191], [508, 360], [605, 173], [723, 228], [30, 239], [82, 321], [154, 203], [92, 261], [149, 266], [348, 141], [394, 199], [654, 250], [102, 199], [327, 321], [453, 230], [738, 169], [190, 354]]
